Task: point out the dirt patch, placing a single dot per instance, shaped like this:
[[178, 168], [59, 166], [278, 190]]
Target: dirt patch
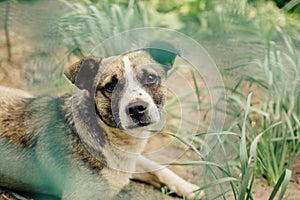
[[261, 191], [11, 73]]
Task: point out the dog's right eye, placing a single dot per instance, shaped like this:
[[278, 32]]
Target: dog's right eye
[[109, 87]]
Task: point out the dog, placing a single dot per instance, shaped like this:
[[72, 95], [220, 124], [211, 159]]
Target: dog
[[88, 144]]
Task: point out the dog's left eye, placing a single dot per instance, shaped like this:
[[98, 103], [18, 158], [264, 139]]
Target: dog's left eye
[[151, 79]]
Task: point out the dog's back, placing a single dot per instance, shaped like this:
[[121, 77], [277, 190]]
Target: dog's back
[[12, 113], [17, 143]]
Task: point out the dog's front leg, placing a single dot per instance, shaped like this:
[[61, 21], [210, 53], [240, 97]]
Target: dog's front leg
[[164, 177]]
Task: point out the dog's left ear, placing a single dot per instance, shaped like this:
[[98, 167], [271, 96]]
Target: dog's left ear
[[163, 53], [83, 72]]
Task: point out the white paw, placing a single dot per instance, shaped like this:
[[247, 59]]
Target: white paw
[[190, 191], [185, 189], [179, 185]]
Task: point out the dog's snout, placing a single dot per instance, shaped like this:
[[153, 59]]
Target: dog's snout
[[136, 110]]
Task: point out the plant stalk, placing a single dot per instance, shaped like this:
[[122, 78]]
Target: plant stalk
[[6, 19]]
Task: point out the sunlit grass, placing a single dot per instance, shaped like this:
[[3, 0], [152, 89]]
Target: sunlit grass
[[240, 187], [279, 79]]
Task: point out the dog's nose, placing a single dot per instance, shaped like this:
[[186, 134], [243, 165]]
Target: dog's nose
[[136, 110]]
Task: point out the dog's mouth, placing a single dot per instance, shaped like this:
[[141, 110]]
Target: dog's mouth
[[140, 125]]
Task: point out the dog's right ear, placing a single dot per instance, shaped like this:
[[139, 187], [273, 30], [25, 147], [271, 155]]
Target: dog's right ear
[[83, 72]]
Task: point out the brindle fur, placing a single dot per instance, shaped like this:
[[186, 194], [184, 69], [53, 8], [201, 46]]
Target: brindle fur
[[43, 151]]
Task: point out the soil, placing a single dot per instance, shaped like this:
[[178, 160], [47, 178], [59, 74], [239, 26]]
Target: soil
[[11, 74]]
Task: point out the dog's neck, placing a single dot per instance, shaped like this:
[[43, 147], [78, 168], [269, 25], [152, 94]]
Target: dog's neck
[[100, 139], [122, 147]]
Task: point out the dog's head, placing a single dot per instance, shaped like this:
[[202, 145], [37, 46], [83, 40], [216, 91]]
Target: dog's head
[[129, 90]]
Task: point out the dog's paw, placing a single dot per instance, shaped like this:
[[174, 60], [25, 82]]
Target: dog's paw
[[187, 190], [178, 185]]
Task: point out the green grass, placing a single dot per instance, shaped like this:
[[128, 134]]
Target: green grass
[[268, 129], [241, 187], [278, 77]]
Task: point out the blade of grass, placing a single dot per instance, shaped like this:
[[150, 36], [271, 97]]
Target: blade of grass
[[243, 145], [217, 182], [240, 103], [197, 90], [282, 182], [219, 133], [202, 162], [184, 142], [247, 179]]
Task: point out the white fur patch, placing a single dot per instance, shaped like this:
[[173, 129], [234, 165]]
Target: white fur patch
[[132, 91], [131, 82]]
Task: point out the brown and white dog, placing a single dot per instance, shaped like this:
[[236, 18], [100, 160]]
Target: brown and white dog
[[87, 145]]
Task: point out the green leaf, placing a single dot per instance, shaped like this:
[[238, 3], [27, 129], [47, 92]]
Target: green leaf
[[243, 145], [217, 182], [282, 182]]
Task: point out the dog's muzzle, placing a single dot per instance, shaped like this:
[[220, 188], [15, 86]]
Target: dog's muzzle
[[137, 111]]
